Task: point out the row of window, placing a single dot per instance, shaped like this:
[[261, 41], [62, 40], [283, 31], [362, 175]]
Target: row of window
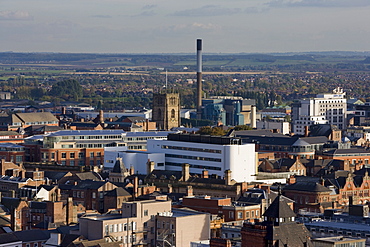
[[194, 166], [192, 149], [122, 227], [193, 157]]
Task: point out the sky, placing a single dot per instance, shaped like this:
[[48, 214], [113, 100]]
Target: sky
[[172, 26]]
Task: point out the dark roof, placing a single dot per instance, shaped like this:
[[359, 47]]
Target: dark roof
[[84, 124], [47, 187], [279, 209], [322, 129], [32, 235], [315, 140], [268, 139], [4, 221], [290, 234], [307, 186], [117, 192], [54, 175], [284, 162], [10, 202], [137, 119], [37, 205], [359, 151], [119, 166], [253, 196], [89, 184], [8, 238], [89, 176]]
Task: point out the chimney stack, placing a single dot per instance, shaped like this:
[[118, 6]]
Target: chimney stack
[[150, 167], [205, 174], [189, 191], [228, 177], [185, 172], [199, 78]]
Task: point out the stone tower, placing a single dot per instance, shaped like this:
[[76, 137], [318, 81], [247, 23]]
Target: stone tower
[[166, 110]]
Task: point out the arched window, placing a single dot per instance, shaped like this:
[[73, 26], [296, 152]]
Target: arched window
[[173, 113]]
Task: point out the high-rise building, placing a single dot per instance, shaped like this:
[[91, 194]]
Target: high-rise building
[[166, 110], [324, 109]]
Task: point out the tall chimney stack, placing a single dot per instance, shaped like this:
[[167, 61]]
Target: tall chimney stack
[[199, 78]]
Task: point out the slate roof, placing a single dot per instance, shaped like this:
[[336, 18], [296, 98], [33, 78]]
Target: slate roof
[[32, 235], [88, 176], [118, 192], [253, 196], [290, 234], [10, 202], [354, 151], [4, 221], [54, 175], [38, 205], [36, 117], [119, 166], [8, 238], [307, 186], [279, 209], [315, 140], [284, 162], [133, 119], [8, 133], [89, 184], [322, 129]]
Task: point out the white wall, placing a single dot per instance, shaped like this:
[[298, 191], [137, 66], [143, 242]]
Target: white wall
[[240, 159]]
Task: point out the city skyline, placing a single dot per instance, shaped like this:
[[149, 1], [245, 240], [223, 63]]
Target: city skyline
[[162, 26]]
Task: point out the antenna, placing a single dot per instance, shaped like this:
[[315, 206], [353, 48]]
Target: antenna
[[166, 79]]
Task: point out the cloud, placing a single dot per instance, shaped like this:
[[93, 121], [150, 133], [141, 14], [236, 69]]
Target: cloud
[[150, 6], [208, 10], [101, 16], [15, 15], [319, 3], [146, 13]]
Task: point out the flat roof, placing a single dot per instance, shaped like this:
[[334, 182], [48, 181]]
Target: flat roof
[[340, 226], [86, 132]]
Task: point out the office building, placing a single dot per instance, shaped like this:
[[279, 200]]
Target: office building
[[217, 154], [324, 109]]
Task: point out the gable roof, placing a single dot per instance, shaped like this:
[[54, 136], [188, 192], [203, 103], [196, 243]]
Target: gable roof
[[32, 235], [118, 192], [307, 186], [36, 117], [279, 209], [89, 184]]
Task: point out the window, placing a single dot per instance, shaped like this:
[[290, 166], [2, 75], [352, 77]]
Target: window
[[64, 155], [18, 158], [71, 162], [72, 155], [231, 215], [93, 195], [240, 215], [92, 155], [146, 212]]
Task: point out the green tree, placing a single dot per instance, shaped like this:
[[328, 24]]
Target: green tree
[[208, 130], [68, 89]]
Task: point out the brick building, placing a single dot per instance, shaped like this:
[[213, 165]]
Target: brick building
[[277, 229]]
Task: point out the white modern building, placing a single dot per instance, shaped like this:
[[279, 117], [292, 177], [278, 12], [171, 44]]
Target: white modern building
[[324, 109], [213, 153], [136, 159]]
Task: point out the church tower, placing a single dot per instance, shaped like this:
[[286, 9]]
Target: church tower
[[166, 110]]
